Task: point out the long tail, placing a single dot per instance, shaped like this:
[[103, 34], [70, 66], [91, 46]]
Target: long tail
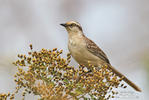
[[125, 79]]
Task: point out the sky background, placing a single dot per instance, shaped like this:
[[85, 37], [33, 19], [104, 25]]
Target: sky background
[[119, 27]]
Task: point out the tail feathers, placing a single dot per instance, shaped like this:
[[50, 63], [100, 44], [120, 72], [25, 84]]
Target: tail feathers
[[125, 79]]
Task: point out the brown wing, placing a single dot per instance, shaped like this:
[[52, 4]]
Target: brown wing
[[94, 49]]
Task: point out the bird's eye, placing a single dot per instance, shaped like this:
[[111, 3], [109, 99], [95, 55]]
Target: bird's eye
[[71, 25]]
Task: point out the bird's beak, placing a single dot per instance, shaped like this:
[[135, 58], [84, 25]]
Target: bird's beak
[[63, 24]]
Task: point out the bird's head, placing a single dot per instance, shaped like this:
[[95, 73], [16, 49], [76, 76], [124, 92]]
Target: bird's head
[[72, 27]]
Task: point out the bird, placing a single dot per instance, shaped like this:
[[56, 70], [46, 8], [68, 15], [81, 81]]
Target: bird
[[84, 50]]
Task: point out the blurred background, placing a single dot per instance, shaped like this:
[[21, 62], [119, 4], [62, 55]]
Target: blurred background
[[119, 27]]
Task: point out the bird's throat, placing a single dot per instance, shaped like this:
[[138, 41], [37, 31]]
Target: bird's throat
[[73, 35]]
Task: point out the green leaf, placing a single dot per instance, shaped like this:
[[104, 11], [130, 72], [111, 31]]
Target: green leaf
[[66, 81]]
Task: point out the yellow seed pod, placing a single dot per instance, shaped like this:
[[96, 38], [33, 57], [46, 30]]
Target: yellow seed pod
[[85, 70], [54, 49], [33, 59], [71, 71], [65, 74], [61, 51]]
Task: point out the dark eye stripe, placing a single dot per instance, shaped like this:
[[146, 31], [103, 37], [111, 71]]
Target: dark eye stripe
[[73, 24], [76, 25]]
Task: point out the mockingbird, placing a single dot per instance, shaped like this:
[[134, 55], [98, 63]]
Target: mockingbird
[[84, 50]]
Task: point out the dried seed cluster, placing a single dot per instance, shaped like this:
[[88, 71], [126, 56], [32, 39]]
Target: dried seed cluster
[[4, 96], [47, 74]]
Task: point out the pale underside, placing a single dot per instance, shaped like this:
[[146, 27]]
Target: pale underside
[[84, 50]]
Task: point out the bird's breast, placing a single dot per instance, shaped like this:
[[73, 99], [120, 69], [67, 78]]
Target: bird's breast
[[79, 52], [76, 47]]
